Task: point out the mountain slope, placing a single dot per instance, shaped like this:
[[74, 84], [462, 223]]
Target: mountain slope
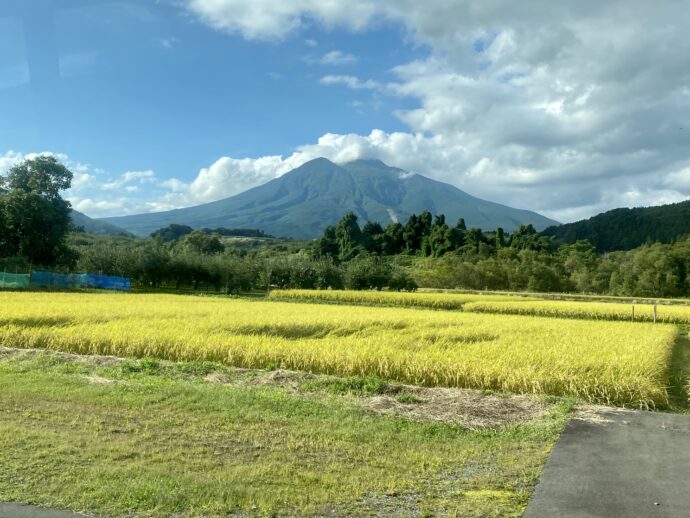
[[94, 226], [301, 203], [90, 225], [625, 229]]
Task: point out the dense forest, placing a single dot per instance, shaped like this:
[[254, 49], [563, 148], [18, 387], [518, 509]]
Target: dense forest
[[425, 251], [399, 257], [625, 229]]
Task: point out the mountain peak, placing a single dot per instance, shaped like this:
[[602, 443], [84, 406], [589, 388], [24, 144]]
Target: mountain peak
[[302, 202], [371, 162], [318, 161]]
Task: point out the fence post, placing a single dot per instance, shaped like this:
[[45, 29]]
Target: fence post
[[633, 313], [655, 312]]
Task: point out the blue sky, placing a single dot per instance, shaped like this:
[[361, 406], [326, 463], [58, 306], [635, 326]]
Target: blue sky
[[169, 103], [153, 88]]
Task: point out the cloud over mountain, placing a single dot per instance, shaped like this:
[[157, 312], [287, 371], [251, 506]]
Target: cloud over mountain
[[571, 106]]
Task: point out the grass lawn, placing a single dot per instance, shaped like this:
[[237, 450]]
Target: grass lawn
[[147, 438]]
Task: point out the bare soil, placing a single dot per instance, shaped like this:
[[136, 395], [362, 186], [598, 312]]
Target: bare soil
[[472, 409]]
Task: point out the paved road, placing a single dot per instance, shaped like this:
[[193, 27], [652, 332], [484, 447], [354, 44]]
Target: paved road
[[8, 510], [628, 464]]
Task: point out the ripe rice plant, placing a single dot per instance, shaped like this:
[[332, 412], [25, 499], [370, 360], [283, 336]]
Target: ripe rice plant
[[609, 362], [385, 298], [583, 310]]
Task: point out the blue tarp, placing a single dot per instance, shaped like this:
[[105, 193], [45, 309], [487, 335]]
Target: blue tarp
[[83, 280], [107, 282], [61, 280]]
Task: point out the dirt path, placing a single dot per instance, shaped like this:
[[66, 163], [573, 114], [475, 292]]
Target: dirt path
[[617, 463]]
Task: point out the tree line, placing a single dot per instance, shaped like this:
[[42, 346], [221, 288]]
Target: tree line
[[425, 251], [458, 257], [423, 234], [626, 229], [189, 264]]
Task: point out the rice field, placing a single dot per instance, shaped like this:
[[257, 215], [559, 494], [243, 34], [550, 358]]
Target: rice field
[[387, 298], [582, 310], [607, 362]]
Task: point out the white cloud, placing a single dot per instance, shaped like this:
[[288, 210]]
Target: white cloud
[[140, 177], [337, 57], [350, 81], [275, 19], [9, 159], [433, 156], [567, 108], [82, 174], [563, 107], [167, 43], [228, 176], [438, 157], [96, 194]]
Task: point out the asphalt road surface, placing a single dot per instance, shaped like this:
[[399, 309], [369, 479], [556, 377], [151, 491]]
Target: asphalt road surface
[[618, 464]]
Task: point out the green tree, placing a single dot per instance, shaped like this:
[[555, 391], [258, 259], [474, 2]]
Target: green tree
[[373, 237], [201, 243], [527, 238], [327, 247], [473, 238], [579, 262], [416, 229], [172, 232], [500, 238], [393, 240], [349, 237], [35, 219]]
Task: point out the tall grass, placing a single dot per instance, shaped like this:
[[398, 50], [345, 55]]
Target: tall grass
[[609, 362]]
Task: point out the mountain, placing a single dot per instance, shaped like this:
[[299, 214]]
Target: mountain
[[302, 202], [94, 226], [625, 229], [90, 225]]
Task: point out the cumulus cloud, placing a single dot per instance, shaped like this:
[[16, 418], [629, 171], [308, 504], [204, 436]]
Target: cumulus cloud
[[275, 19], [350, 81], [567, 108], [564, 107], [96, 193], [228, 176], [83, 174], [337, 57], [123, 181]]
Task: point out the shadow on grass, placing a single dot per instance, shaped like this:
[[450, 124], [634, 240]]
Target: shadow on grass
[[32, 322], [679, 373]]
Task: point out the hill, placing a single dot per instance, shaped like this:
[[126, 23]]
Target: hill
[[94, 226], [90, 225], [301, 203], [625, 229]]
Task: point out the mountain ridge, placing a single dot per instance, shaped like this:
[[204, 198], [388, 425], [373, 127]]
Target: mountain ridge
[[627, 228], [94, 226], [302, 202]]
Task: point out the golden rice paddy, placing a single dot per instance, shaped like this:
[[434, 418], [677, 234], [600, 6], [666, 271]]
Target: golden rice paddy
[[599, 361]]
